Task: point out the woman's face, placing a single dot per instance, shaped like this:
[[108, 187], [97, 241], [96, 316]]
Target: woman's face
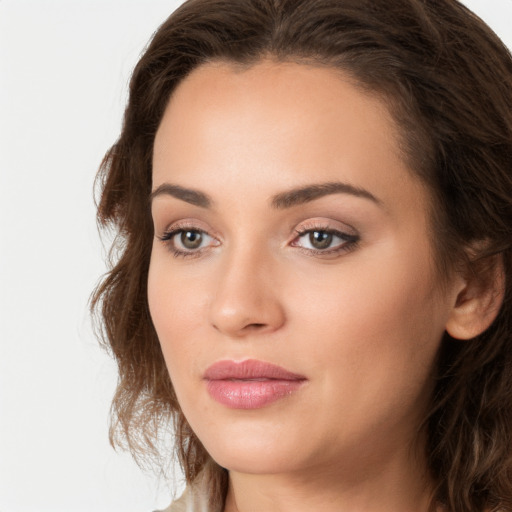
[[289, 232]]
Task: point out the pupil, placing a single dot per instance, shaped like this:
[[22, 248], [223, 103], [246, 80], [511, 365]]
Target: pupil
[[320, 239], [191, 239]]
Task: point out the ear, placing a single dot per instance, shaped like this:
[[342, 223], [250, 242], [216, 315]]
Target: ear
[[478, 299]]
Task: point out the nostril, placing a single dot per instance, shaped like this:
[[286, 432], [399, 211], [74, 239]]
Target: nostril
[[254, 326], [248, 327]]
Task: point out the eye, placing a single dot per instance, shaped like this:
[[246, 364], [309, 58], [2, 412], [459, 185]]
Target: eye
[[187, 241], [320, 239], [324, 241]]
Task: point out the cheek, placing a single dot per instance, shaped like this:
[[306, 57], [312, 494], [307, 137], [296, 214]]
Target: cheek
[[177, 306], [377, 324]]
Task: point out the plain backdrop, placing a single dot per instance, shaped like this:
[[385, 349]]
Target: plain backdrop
[[64, 68]]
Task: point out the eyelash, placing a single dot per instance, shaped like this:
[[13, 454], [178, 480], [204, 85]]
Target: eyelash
[[349, 244], [168, 239]]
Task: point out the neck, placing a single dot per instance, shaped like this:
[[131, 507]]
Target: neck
[[400, 484]]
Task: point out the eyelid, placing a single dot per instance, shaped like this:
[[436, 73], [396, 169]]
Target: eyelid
[[349, 236], [192, 224], [174, 228], [325, 224]]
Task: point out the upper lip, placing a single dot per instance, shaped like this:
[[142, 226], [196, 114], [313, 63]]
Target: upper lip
[[248, 370]]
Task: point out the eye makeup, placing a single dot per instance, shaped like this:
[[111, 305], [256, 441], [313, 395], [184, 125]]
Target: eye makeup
[[188, 240], [324, 241]]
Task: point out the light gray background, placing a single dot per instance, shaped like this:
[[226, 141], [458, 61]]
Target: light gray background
[[64, 68]]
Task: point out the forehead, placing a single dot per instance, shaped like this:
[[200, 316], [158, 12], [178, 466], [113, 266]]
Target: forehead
[[274, 126], [281, 94]]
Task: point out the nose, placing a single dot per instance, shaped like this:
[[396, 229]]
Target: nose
[[247, 297]]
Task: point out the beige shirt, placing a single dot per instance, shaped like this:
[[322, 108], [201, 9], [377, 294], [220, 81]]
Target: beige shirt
[[194, 499], [179, 505]]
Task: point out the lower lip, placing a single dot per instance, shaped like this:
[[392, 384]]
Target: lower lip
[[251, 394]]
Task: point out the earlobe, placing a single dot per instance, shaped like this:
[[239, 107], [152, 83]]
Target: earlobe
[[478, 300]]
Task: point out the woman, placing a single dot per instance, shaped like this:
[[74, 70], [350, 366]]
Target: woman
[[313, 201]]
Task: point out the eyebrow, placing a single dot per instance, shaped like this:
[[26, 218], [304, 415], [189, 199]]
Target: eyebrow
[[309, 193], [283, 200], [188, 195]]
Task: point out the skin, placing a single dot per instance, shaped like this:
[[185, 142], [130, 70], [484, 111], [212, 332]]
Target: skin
[[362, 324]]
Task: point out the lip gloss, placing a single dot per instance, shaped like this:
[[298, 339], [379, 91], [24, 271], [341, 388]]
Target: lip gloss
[[250, 384]]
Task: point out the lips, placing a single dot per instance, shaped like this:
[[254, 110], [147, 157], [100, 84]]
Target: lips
[[250, 384]]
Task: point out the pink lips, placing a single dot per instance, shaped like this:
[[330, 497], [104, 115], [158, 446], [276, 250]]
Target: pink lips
[[250, 384]]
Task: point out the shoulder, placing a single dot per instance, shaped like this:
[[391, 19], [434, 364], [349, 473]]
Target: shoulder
[[180, 505], [194, 499]]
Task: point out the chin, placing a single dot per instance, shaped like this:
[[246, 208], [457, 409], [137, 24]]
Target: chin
[[253, 453], [253, 462]]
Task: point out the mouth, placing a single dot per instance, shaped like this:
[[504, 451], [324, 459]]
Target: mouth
[[250, 384]]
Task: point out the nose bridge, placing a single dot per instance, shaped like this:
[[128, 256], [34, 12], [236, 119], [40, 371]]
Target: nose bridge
[[246, 298]]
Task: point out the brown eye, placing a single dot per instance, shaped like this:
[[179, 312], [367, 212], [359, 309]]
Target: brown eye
[[320, 239], [188, 242], [191, 239], [325, 241]]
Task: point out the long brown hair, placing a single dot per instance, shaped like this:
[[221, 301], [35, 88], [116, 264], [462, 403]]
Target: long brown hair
[[447, 79]]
